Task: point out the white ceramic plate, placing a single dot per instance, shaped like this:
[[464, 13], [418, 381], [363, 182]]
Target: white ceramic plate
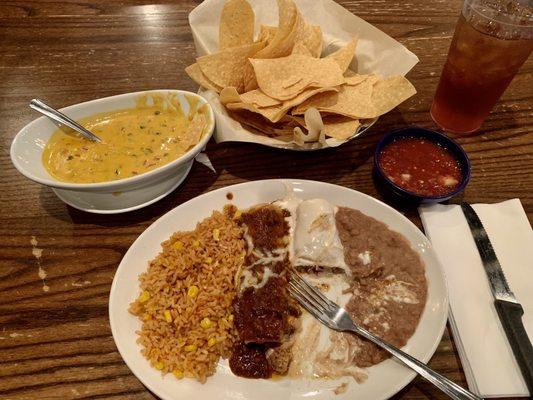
[[384, 379]]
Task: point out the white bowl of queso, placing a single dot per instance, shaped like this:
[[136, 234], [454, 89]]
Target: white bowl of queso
[[150, 140]]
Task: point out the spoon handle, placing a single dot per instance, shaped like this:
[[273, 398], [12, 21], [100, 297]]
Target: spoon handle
[[57, 116]]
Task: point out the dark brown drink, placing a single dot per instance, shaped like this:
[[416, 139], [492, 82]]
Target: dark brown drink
[[487, 50]]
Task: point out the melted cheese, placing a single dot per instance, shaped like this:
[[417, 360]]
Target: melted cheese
[[135, 140], [268, 257], [290, 203], [318, 351], [250, 280]]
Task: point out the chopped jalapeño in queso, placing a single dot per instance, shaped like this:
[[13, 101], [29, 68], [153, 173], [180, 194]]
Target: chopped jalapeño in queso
[[421, 166]]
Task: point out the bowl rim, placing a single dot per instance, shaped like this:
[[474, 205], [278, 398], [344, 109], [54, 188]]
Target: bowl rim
[[52, 182], [421, 132]]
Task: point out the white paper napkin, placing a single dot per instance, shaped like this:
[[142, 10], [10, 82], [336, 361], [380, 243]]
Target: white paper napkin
[[490, 367]]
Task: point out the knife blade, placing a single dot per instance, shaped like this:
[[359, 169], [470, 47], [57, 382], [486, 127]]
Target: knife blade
[[498, 282], [507, 306]]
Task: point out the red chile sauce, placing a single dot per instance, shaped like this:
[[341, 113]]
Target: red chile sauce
[[421, 166]]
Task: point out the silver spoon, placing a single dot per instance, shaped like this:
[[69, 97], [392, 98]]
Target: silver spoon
[[57, 116]]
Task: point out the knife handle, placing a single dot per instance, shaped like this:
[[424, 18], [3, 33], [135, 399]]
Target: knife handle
[[511, 317]]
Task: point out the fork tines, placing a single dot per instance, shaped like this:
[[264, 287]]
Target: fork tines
[[310, 292], [313, 300]]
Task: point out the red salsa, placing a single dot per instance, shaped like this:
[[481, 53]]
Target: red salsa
[[421, 166]]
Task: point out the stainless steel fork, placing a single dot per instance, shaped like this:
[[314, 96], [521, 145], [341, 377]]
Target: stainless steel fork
[[337, 318]]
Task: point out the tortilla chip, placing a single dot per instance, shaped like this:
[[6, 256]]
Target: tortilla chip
[[194, 131], [259, 99], [197, 75], [299, 136], [357, 79], [250, 83], [306, 94], [391, 92], [269, 113], [266, 33], [300, 48], [261, 125], [290, 23], [369, 99], [256, 98], [314, 129], [229, 95], [339, 127], [278, 112], [311, 37], [344, 55], [226, 68], [349, 72], [350, 101], [298, 120], [335, 126], [284, 78], [236, 24]]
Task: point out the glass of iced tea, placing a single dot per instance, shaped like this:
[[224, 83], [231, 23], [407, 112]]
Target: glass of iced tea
[[492, 40]]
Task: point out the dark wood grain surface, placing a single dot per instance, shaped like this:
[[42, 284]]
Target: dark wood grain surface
[[57, 344]]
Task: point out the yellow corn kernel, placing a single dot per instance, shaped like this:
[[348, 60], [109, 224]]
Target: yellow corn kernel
[[211, 342], [190, 347], [196, 243], [159, 365], [237, 214], [209, 260], [216, 234], [143, 298], [168, 316], [178, 374], [206, 323], [178, 245], [193, 291], [230, 318]]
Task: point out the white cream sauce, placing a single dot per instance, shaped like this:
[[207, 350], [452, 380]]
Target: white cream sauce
[[314, 239], [319, 351]]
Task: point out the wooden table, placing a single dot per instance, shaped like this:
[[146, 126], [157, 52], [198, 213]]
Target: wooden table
[[57, 344]]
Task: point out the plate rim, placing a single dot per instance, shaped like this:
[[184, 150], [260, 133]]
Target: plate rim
[[410, 374]]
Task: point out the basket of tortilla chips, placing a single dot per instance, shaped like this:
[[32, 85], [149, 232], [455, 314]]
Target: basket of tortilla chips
[[310, 77]]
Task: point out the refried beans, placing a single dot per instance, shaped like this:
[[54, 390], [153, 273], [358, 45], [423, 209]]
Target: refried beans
[[389, 284]]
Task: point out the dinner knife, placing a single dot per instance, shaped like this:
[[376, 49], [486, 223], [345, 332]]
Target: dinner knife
[[509, 309]]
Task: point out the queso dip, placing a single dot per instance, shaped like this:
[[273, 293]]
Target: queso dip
[[153, 133]]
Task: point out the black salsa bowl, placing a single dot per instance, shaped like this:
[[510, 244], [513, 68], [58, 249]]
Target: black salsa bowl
[[442, 140]]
